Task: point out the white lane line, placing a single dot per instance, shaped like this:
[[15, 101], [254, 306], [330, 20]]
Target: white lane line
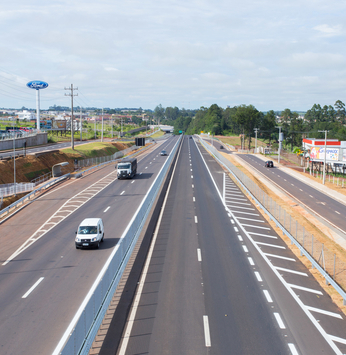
[[243, 208], [240, 238], [122, 193], [279, 257], [193, 185], [258, 276], [193, 199], [311, 196], [291, 271], [263, 235], [267, 296], [251, 214], [33, 287], [236, 229], [271, 245], [191, 176], [305, 289], [293, 349], [337, 212], [146, 167], [292, 184], [252, 226], [322, 311], [245, 248], [279, 320], [300, 189], [199, 255], [339, 340], [249, 219], [196, 221], [232, 221], [236, 199], [107, 209], [251, 261], [206, 331], [190, 169], [132, 181], [238, 203]]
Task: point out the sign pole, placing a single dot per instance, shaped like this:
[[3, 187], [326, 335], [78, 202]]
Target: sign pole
[[38, 126]]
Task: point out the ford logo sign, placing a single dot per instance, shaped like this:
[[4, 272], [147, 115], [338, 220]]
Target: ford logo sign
[[37, 85]]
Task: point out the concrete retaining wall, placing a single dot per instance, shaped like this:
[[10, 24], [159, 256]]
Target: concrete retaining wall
[[38, 139]]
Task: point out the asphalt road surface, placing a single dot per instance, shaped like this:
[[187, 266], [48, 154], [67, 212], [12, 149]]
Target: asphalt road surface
[[219, 280]]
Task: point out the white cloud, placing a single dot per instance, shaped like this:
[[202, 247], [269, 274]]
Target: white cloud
[[327, 30]]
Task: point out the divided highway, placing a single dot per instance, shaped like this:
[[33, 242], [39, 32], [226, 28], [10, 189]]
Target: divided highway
[[44, 282], [219, 280]]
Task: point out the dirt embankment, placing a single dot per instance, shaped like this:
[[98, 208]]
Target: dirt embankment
[[32, 166]]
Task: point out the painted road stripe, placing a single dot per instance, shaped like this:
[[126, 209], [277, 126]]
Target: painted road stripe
[[322, 311], [239, 203], [279, 257], [243, 208], [291, 271], [293, 349], [196, 221], [232, 221], [252, 226], [191, 176], [236, 229], [33, 287], [249, 219], [339, 340], [251, 214], [240, 238], [271, 245], [279, 320], [245, 248], [193, 199], [199, 255], [236, 199], [267, 296], [132, 181], [258, 276], [251, 261], [263, 235], [193, 185], [206, 331], [305, 289], [122, 193], [107, 209]]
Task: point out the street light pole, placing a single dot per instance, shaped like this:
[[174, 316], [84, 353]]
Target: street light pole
[[280, 144], [325, 155], [102, 127], [256, 130]]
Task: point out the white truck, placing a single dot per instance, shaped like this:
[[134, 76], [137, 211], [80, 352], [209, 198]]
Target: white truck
[[127, 168], [90, 233]]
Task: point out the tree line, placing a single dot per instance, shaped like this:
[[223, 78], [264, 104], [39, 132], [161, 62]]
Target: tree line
[[244, 119]]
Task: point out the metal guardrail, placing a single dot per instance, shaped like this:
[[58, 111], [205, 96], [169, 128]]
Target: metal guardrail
[[41, 178], [248, 185], [21, 201], [79, 336]]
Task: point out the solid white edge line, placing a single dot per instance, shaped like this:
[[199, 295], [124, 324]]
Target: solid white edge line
[[293, 349], [134, 306], [33, 287], [279, 320], [199, 255], [206, 331]]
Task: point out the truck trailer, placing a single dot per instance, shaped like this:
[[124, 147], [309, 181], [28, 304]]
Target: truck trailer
[[127, 168]]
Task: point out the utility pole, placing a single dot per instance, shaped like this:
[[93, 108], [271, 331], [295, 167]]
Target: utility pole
[[80, 122], [72, 127], [102, 127], [325, 155], [280, 143], [256, 130]]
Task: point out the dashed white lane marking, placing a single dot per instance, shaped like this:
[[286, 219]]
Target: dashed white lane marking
[[107, 209], [322, 311], [291, 271], [132, 181], [251, 261], [300, 189], [193, 185], [279, 257], [196, 221], [190, 169], [193, 199], [337, 212], [305, 289], [146, 167], [270, 245], [311, 196], [267, 296], [232, 221], [236, 229], [293, 349], [264, 235], [252, 226], [279, 320], [240, 238], [206, 331], [245, 248], [191, 176], [258, 276], [33, 287], [199, 255], [122, 193]]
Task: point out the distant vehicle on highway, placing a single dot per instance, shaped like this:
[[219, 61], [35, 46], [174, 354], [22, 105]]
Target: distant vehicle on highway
[[269, 164], [90, 233], [163, 152], [221, 146]]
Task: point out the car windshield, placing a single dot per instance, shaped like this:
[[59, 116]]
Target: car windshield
[[163, 152], [87, 230], [124, 166]]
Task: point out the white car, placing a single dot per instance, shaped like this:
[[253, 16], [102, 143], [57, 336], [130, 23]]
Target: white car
[[90, 233]]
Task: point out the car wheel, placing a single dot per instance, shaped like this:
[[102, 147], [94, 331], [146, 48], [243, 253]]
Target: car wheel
[[97, 245], [103, 235], [77, 247]]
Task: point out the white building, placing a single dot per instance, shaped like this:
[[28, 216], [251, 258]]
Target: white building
[[26, 115]]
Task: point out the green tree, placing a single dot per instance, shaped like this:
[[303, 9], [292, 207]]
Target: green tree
[[159, 113], [247, 117], [340, 111]]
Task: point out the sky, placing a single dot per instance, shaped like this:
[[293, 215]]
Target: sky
[[272, 54]]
